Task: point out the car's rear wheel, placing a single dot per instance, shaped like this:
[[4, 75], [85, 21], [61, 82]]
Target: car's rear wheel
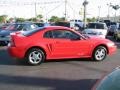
[[35, 56], [99, 53]]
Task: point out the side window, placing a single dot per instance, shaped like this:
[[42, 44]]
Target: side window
[[61, 34], [20, 27], [71, 35], [25, 27], [58, 34], [48, 34], [65, 34]]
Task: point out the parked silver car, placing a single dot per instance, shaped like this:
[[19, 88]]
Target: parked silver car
[[97, 29], [14, 27]]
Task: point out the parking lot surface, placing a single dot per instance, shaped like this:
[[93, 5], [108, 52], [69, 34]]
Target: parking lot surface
[[73, 74]]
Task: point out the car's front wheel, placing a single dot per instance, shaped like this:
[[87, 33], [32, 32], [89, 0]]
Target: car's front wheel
[[35, 56], [99, 53]]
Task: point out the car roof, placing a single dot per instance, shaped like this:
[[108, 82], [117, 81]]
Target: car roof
[[46, 28], [56, 27]]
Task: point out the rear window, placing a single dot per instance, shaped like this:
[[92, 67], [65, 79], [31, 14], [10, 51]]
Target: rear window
[[30, 32], [96, 26]]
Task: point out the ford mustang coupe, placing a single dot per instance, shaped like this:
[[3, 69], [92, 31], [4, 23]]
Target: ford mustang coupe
[[57, 42]]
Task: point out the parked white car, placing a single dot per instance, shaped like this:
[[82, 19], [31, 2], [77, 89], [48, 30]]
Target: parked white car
[[97, 29], [76, 24]]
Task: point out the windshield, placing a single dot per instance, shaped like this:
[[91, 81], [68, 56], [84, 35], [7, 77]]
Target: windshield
[[96, 26]]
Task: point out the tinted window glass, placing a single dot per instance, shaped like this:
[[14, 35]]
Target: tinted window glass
[[96, 26], [65, 34], [19, 27], [48, 34], [30, 27]]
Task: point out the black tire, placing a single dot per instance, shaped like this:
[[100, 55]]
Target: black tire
[[35, 56], [99, 53]]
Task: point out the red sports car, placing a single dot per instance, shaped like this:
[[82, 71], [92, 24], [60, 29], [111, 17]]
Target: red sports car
[[56, 42]]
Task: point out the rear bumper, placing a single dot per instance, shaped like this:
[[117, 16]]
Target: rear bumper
[[16, 52]]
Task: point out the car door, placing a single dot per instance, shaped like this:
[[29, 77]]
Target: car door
[[67, 44]]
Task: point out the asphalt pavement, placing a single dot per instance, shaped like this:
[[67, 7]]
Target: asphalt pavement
[[73, 74]]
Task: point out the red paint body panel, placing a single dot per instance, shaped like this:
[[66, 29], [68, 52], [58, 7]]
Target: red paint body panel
[[57, 48]]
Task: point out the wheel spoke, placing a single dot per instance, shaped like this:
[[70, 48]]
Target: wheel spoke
[[100, 54], [35, 57]]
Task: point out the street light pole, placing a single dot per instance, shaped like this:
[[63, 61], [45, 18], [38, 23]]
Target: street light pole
[[84, 4], [115, 7], [99, 7], [65, 10], [109, 5], [35, 10]]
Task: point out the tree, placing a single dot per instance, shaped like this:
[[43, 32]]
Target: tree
[[91, 19], [62, 19], [54, 19], [39, 16], [3, 18], [57, 19], [20, 19], [33, 19]]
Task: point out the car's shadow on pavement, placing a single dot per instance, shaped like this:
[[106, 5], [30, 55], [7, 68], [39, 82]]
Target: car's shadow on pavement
[[46, 82], [6, 59]]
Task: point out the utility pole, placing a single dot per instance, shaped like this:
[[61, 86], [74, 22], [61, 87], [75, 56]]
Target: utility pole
[[99, 7], [109, 5], [35, 10], [65, 10], [84, 4]]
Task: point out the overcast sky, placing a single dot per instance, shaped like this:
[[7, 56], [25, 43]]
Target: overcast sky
[[26, 8]]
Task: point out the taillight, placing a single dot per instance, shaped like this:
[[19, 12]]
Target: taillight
[[12, 43]]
